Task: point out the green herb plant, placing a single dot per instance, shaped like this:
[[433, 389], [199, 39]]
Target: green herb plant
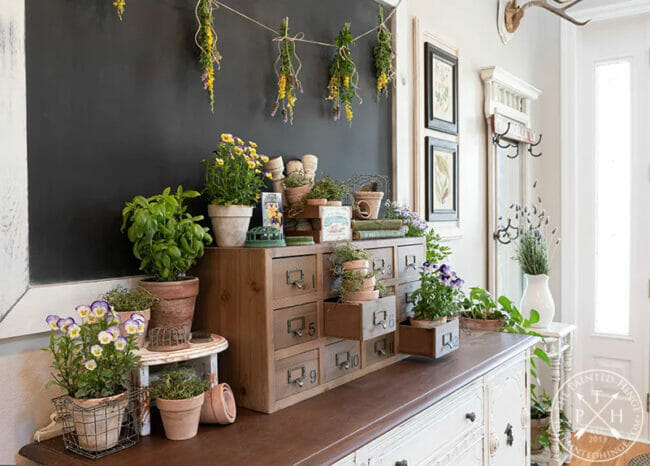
[[129, 299], [288, 82], [532, 253], [178, 383], [330, 189], [384, 56], [342, 86], [166, 238], [296, 180], [480, 305], [351, 281], [347, 252]]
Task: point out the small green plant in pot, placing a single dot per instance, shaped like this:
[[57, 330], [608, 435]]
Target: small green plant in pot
[[234, 180], [354, 287], [480, 312], [328, 191], [167, 240], [127, 301], [347, 257], [92, 363], [179, 394], [296, 187], [438, 297]]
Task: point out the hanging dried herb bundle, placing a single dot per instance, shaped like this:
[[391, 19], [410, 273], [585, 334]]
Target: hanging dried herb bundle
[[342, 87], [206, 40], [384, 55], [119, 7], [288, 82]]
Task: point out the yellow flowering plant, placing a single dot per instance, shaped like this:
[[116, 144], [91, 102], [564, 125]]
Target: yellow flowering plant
[[384, 55], [235, 174], [119, 8], [342, 86], [288, 82], [206, 39]]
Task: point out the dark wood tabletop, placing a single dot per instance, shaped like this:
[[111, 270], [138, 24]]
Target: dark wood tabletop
[[322, 429]]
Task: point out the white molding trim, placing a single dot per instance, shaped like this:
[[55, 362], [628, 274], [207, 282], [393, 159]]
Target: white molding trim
[[400, 102], [28, 315], [612, 11]]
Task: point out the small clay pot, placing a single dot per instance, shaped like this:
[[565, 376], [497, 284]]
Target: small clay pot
[[361, 266], [368, 284], [180, 417], [492, 325], [294, 166], [274, 164], [295, 195], [335, 203], [316, 201], [427, 323], [175, 308], [360, 296], [537, 427], [98, 421], [310, 165], [125, 315], [367, 204], [230, 224], [219, 405]]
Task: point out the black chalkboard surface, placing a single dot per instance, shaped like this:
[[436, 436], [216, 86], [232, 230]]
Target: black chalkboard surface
[[117, 109]]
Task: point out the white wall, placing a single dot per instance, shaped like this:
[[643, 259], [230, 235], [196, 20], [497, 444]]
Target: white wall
[[533, 55], [470, 25]]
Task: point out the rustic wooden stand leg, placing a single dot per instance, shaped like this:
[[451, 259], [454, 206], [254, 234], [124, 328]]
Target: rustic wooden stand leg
[[142, 380], [556, 358]]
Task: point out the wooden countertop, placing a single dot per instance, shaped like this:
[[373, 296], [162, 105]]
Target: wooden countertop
[[322, 429]]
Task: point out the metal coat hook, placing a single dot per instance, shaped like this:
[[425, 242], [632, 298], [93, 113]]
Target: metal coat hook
[[530, 147], [496, 139], [506, 234]]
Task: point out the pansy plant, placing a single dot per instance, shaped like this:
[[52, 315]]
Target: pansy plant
[[439, 294], [92, 359]]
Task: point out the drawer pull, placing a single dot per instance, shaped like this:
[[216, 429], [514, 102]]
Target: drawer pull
[[410, 261], [296, 330], [379, 265], [401, 463], [381, 321], [343, 360], [408, 297], [297, 282], [449, 340], [471, 416], [294, 378]]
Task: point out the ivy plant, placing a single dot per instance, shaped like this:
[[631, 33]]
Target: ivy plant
[[166, 238]]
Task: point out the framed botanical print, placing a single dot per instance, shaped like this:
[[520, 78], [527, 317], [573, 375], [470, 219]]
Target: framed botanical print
[[441, 89], [441, 180]]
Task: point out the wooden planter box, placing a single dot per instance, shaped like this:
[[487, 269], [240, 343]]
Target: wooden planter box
[[431, 343], [362, 321]]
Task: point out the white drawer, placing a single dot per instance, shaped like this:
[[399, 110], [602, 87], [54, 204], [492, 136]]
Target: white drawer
[[429, 433]]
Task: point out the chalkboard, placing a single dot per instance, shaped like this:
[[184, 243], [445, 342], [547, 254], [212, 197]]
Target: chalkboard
[[117, 109]]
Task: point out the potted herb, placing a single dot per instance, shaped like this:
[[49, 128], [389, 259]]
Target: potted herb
[[480, 312], [296, 187], [234, 181], [179, 394], [127, 302], [328, 191], [350, 258], [167, 240], [355, 287], [92, 364], [438, 297]]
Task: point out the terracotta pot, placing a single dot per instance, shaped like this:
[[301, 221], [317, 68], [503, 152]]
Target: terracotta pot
[[538, 427], [295, 195], [427, 323], [180, 417], [175, 308], [369, 284], [361, 266], [310, 165], [360, 296], [367, 204], [230, 224], [316, 201], [219, 405], [127, 315], [98, 421], [294, 166], [274, 164], [335, 203], [493, 325]]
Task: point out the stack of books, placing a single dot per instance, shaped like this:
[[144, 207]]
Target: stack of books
[[375, 229]]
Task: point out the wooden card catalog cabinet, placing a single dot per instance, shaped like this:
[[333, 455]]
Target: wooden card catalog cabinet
[[288, 340]]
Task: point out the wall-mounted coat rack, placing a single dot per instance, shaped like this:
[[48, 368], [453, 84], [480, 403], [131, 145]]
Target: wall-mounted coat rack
[[530, 148], [514, 134], [496, 139]]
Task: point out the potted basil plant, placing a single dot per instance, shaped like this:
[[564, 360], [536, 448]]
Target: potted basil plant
[[167, 240]]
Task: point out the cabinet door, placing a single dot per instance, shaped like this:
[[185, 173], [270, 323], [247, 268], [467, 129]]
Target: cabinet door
[[508, 416]]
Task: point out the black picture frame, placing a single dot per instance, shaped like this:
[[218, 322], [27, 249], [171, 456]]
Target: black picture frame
[[432, 52], [433, 214]]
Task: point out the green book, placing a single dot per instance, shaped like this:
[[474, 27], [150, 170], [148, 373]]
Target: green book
[[382, 224], [377, 234]]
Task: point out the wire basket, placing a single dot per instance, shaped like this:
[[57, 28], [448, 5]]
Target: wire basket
[[95, 429], [168, 339]]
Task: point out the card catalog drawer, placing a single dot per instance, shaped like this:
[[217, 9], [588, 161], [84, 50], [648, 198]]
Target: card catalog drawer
[[360, 321], [341, 358], [296, 374], [430, 342], [294, 276], [381, 262], [405, 300], [378, 349], [410, 260], [294, 325]]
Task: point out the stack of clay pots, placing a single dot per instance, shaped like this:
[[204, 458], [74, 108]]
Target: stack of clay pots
[[367, 292]]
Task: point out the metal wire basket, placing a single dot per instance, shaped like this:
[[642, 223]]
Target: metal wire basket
[[96, 429], [168, 339]]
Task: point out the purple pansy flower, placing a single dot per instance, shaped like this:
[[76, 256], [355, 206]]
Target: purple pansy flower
[[100, 308], [52, 320]]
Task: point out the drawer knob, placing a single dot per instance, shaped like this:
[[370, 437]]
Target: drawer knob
[[401, 463], [471, 416]]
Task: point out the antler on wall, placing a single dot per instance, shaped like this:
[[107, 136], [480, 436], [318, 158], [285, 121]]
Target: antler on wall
[[514, 12]]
